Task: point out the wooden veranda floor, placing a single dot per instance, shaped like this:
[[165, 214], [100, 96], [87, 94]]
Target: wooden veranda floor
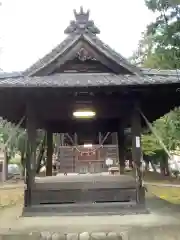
[[84, 181], [86, 193]]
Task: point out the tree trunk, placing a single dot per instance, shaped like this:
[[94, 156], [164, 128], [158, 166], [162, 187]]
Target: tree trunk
[[162, 167], [23, 163], [167, 171], [40, 156], [153, 166], [131, 163], [5, 166], [146, 166]]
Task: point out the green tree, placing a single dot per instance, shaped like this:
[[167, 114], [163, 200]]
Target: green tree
[[164, 51], [160, 48], [168, 129]]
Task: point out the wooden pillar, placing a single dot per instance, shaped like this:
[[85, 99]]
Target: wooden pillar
[[49, 153], [62, 139], [99, 151], [75, 139], [61, 149], [114, 138], [115, 143], [31, 154], [75, 157], [121, 147], [136, 149], [99, 137]]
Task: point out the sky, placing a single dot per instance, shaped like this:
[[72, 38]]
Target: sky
[[29, 29]]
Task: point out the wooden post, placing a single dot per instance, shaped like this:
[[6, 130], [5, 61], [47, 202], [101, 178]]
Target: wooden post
[[99, 137], [115, 142], [136, 148], [61, 150], [121, 148], [75, 139], [62, 139], [31, 154], [75, 157], [49, 153], [114, 138]]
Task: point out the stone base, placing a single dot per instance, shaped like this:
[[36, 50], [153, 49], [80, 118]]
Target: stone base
[[96, 209], [150, 233]]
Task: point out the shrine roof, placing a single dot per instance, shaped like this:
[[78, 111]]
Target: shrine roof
[[84, 29], [70, 41], [90, 80]]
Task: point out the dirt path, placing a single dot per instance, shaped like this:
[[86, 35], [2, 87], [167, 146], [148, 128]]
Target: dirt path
[[12, 185], [9, 216]]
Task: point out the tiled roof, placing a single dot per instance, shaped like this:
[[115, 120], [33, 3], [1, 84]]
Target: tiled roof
[[10, 74], [87, 80], [150, 72], [111, 53], [81, 28], [70, 41], [54, 54], [84, 29]]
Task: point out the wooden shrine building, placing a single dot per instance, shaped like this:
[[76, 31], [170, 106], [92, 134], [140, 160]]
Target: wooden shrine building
[[83, 73]]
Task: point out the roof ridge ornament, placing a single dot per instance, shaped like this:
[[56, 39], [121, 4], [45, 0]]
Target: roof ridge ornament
[[82, 24], [82, 16]]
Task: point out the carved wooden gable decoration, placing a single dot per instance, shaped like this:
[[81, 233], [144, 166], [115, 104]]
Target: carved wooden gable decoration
[[84, 61]]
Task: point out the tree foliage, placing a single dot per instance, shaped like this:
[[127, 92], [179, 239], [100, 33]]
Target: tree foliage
[[168, 129], [160, 44], [159, 48]]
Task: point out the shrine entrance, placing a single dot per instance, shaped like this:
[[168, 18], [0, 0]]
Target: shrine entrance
[[83, 74]]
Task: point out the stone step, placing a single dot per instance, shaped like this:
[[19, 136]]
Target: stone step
[[100, 209], [140, 233]]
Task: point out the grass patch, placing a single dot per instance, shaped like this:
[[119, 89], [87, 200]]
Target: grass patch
[[170, 194], [156, 178], [11, 196]]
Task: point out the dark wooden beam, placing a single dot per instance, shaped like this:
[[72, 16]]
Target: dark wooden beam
[[86, 126], [49, 153], [31, 153], [136, 149], [121, 147]]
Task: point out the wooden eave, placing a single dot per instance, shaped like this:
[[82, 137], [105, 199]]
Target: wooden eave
[[65, 80]]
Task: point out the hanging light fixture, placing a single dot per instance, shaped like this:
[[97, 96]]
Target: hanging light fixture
[[88, 145], [84, 114]]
